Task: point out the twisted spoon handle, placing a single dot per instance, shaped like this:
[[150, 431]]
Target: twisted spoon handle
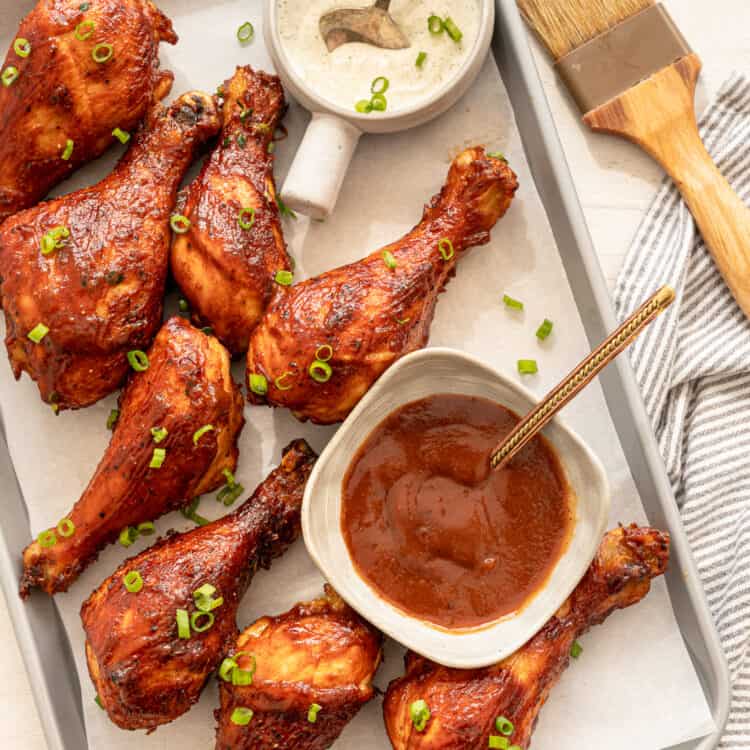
[[580, 377]]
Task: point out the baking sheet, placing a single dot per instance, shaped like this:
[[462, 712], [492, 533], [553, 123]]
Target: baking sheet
[[619, 676]]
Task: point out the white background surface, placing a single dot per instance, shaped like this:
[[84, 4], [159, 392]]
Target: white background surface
[[615, 183]]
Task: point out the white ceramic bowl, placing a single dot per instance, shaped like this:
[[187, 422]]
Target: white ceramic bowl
[[416, 376]]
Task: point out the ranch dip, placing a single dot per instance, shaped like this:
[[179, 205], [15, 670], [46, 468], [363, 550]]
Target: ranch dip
[[344, 76]]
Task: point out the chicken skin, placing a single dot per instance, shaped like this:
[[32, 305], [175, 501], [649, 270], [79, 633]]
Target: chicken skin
[[90, 268], [148, 668], [464, 705], [154, 462], [313, 670], [227, 261], [324, 342], [62, 107]]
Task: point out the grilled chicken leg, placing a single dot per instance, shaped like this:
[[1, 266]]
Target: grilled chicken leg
[[227, 261], [62, 94], [187, 386], [99, 293], [145, 672], [362, 317], [464, 704], [314, 667]]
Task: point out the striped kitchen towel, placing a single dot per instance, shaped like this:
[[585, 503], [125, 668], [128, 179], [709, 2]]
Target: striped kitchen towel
[[693, 366]]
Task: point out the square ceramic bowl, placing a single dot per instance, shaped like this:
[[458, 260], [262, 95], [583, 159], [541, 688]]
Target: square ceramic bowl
[[416, 376]]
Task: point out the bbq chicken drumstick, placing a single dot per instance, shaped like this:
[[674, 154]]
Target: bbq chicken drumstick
[[324, 341], [312, 670], [161, 623], [227, 261], [75, 72], [458, 709], [83, 276], [175, 436]]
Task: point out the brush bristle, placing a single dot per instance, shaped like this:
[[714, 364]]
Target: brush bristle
[[564, 25]]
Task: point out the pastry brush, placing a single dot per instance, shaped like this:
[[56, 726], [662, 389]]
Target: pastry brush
[[633, 74]]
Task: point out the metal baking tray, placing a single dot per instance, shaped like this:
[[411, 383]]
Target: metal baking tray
[[38, 627]]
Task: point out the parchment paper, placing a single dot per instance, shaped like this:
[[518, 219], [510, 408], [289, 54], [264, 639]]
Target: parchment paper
[[634, 685]]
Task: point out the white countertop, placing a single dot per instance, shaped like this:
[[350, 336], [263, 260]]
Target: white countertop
[[615, 182]]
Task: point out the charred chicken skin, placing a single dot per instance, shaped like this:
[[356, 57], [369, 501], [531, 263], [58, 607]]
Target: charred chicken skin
[[62, 95], [227, 261], [91, 267], [464, 704], [359, 319], [154, 463], [147, 669], [314, 667]]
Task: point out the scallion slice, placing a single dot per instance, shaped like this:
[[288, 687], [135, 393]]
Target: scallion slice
[[389, 259], [495, 742], [324, 353], [138, 360], [121, 135], [544, 329], [183, 305], [38, 332], [243, 677], [241, 716], [9, 75], [378, 102], [198, 434], [280, 381], [22, 47], [513, 304], [284, 210], [226, 669], [229, 493], [84, 30], [284, 278], [98, 702], [312, 712], [258, 384], [497, 155], [114, 415], [66, 527], [241, 140], [445, 246], [379, 85], [68, 150], [146, 528], [421, 57], [102, 53], [133, 581], [197, 625], [453, 31], [363, 106], [246, 218], [190, 512], [180, 224], [183, 624], [435, 24], [47, 538], [128, 535], [320, 372], [157, 459], [576, 649], [527, 367], [159, 433], [419, 712], [504, 726], [245, 32], [54, 239]]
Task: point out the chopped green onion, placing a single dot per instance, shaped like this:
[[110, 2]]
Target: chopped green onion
[[284, 278], [246, 32], [66, 527], [203, 597], [445, 246], [180, 224], [227, 667], [121, 135], [544, 329], [207, 330], [229, 493], [102, 53], [284, 209], [68, 150], [138, 360], [241, 716], [243, 677], [453, 31], [159, 433], [271, 147], [363, 106], [198, 434], [114, 415], [242, 221], [114, 277], [241, 140], [38, 332], [229, 477], [324, 353], [47, 538], [497, 743], [261, 127], [527, 366], [435, 24], [497, 155], [183, 305], [84, 6], [183, 624], [279, 382], [514, 304], [380, 85], [245, 112], [157, 459], [133, 581], [402, 321], [504, 726], [420, 714], [258, 384], [389, 259], [421, 57], [84, 30], [576, 649], [190, 512], [128, 535], [22, 47], [9, 75], [312, 712], [146, 528], [98, 702], [54, 239], [320, 372], [196, 624], [379, 102]]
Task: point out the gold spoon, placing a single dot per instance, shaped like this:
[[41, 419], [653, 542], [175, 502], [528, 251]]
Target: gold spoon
[[373, 25], [580, 377]]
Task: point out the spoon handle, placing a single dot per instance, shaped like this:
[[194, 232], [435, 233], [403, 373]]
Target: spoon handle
[[580, 377]]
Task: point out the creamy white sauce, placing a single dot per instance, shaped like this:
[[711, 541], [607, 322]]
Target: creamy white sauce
[[344, 76]]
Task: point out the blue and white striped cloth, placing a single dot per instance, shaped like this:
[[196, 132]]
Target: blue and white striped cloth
[[693, 366]]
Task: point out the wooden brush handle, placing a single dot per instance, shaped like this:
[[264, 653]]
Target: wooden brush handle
[[659, 115]]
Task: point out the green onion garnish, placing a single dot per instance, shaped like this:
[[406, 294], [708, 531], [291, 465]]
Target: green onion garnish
[[180, 224], [445, 246], [159, 433], [527, 367], [138, 360], [47, 538], [146, 528], [190, 512], [9, 75], [363, 106], [320, 372], [54, 239], [246, 32], [84, 6], [576, 649], [497, 155], [246, 218], [183, 624], [258, 384], [504, 726], [114, 415], [379, 85], [121, 135], [204, 600], [241, 716], [195, 621], [68, 150], [544, 329], [284, 278], [453, 31], [312, 712], [284, 210], [38, 332], [279, 382], [133, 581], [241, 140], [324, 353], [243, 677], [183, 305], [128, 535], [435, 24], [84, 30], [98, 702], [421, 57], [207, 330], [157, 459], [514, 304], [389, 259], [198, 434], [402, 321], [497, 743], [102, 53], [378, 102], [420, 714], [22, 47], [229, 493], [66, 527], [226, 669]]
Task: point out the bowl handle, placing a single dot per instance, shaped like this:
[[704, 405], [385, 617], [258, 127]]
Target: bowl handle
[[314, 180]]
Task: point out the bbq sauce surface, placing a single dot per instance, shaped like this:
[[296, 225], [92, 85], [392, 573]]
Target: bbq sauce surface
[[435, 531]]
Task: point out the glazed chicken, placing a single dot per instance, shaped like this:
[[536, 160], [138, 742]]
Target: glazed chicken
[[228, 259], [324, 342], [313, 668], [62, 105], [90, 268], [150, 651], [464, 705], [154, 462]]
